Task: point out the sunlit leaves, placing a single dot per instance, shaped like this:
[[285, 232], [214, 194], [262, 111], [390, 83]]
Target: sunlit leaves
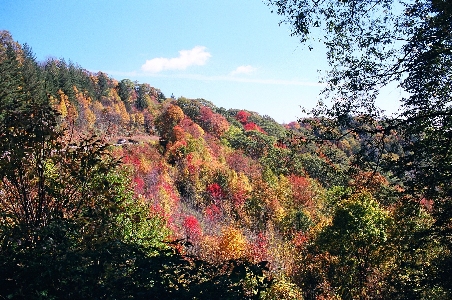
[[232, 244], [215, 191]]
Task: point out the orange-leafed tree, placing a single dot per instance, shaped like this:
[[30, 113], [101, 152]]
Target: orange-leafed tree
[[165, 123], [302, 192], [232, 243]]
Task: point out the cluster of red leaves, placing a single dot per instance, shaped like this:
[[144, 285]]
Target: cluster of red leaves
[[280, 145], [239, 198], [428, 204], [299, 239], [293, 125], [139, 185], [215, 191], [239, 162], [253, 126], [193, 165], [242, 116], [192, 128], [216, 149], [192, 228], [258, 249], [131, 160]]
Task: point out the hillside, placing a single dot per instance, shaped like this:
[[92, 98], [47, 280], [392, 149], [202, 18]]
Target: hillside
[[294, 210]]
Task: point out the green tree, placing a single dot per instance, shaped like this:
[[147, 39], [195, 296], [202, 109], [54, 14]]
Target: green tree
[[191, 108], [269, 125], [102, 86], [126, 91], [356, 238], [255, 144], [144, 93], [26, 130]]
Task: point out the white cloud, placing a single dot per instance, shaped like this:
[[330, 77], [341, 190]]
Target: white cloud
[[197, 56], [243, 70]]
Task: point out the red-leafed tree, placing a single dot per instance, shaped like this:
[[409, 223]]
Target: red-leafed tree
[[253, 126], [192, 128], [303, 194], [242, 116], [239, 162], [215, 191], [192, 228], [213, 122]]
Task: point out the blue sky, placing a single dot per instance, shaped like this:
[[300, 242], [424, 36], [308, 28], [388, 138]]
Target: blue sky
[[231, 52]]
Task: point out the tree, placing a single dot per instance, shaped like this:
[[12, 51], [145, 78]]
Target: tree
[[356, 238], [102, 85], [49, 191], [168, 119], [26, 130], [144, 93], [126, 91], [212, 122], [242, 116], [375, 44], [191, 108]]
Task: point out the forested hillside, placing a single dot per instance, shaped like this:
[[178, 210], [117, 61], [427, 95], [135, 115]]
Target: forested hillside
[[110, 190]]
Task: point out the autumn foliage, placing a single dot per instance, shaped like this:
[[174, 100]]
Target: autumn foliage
[[211, 185]]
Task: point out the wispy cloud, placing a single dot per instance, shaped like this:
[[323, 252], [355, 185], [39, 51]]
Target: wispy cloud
[[243, 70], [197, 56], [246, 80]]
